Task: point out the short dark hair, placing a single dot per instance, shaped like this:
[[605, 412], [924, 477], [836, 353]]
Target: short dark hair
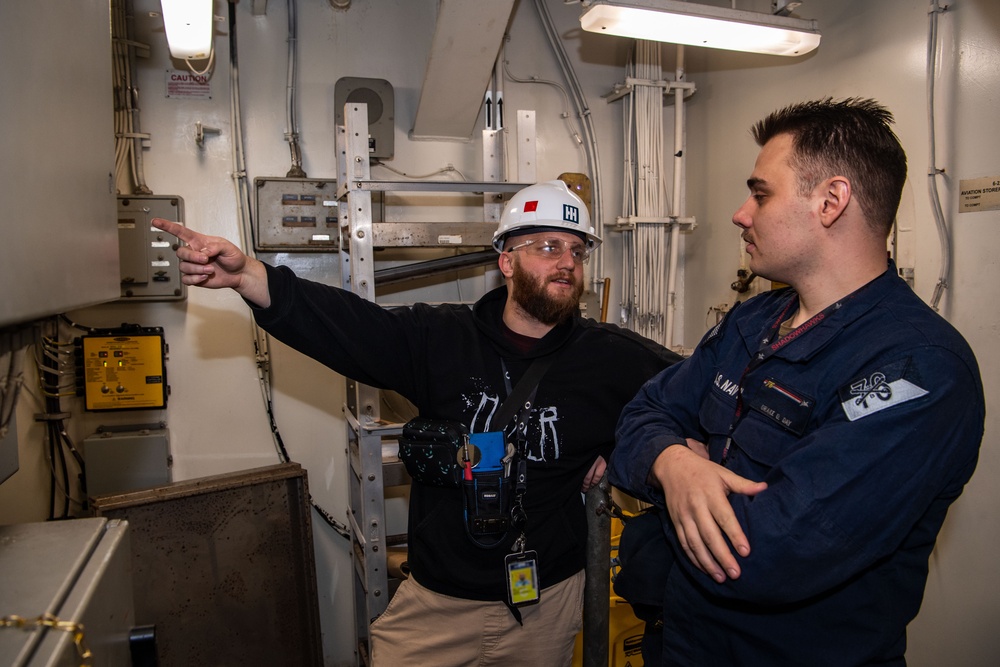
[[851, 138]]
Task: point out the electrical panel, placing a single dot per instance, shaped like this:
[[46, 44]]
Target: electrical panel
[[122, 369], [378, 95], [150, 270], [127, 458], [300, 214]]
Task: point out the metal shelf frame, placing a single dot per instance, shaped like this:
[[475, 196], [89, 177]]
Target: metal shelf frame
[[367, 431]]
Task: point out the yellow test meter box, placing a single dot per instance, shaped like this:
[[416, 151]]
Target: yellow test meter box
[[122, 369]]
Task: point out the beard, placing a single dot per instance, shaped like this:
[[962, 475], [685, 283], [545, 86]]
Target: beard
[[532, 295]]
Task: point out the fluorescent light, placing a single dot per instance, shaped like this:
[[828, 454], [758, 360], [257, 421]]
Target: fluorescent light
[[189, 28], [701, 25]]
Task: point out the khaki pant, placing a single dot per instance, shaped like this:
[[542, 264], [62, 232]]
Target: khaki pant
[[421, 627]]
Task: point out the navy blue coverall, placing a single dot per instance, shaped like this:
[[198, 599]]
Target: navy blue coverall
[[866, 425]]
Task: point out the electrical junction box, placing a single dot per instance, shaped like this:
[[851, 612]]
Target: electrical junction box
[[150, 270], [127, 458], [297, 214], [300, 214], [122, 369]]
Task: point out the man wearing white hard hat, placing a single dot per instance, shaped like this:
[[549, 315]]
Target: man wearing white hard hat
[[496, 554]]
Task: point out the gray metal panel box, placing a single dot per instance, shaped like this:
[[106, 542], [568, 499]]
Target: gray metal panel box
[[150, 270], [126, 460], [378, 95], [57, 151], [297, 214], [300, 214], [78, 571]]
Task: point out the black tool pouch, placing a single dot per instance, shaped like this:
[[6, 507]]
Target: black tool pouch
[[431, 450], [488, 498]]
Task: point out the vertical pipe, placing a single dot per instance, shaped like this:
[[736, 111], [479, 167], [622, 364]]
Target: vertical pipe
[[597, 591], [291, 110], [133, 104], [675, 206], [498, 105]]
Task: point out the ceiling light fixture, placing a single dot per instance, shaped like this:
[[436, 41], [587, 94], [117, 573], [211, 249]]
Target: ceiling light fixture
[[701, 25], [188, 24]]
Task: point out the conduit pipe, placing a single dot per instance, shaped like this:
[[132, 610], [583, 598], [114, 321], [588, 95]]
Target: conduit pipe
[[432, 267], [676, 200], [291, 110], [589, 134], [932, 170]]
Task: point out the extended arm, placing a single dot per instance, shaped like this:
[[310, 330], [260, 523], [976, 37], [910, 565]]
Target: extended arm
[[215, 263]]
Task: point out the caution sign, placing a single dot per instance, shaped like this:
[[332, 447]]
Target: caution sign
[[188, 85], [979, 194]]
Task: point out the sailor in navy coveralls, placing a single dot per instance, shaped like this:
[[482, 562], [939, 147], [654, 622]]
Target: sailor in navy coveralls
[[808, 451]]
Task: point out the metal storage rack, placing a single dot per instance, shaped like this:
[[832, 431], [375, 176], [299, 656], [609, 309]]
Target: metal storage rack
[[360, 235]]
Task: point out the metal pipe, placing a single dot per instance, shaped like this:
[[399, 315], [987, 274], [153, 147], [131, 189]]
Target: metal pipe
[[597, 590], [675, 207], [397, 274]]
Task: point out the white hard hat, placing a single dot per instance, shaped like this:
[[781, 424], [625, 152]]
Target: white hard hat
[[551, 205]]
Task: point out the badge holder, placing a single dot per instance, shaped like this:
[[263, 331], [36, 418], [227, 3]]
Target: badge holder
[[522, 578]]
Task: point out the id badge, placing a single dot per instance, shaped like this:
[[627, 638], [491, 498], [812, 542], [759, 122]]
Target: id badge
[[522, 578]]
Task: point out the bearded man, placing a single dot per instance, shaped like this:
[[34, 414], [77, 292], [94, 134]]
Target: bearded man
[[459, 606]]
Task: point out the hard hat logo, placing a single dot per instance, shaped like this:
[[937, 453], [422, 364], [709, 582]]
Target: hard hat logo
[[545, 206]]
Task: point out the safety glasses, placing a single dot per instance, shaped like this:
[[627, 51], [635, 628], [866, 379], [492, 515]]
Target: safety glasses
[[554, 249]]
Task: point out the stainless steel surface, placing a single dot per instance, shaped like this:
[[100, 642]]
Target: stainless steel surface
[[366, 183], [56, 193], [432, 234], [78, 571]]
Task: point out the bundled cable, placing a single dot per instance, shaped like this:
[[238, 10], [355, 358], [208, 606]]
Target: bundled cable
[[645, 245], [54, 362]]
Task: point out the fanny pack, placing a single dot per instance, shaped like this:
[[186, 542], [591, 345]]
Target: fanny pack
[[432, 450]]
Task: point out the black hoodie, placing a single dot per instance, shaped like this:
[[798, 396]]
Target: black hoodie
[[446, 360]]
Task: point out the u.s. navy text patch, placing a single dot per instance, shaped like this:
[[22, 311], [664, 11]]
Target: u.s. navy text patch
[[890, 385]]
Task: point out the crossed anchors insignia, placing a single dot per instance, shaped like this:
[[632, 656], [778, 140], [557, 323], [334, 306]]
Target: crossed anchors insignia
[[873, 387]]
